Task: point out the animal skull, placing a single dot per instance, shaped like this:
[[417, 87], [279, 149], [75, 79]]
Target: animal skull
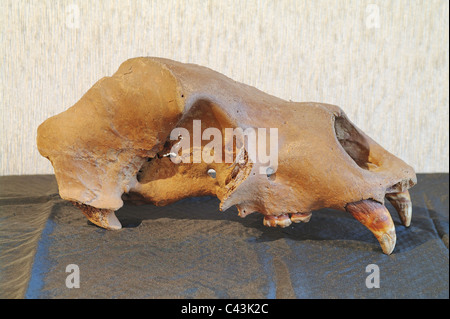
[[114, 144]]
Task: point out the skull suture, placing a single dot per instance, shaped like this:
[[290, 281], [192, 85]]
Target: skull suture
[[112, 145]]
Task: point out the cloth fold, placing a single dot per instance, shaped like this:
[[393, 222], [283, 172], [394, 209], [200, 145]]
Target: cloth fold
[[192, 250]]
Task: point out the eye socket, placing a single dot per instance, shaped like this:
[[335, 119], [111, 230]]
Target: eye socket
[[270, 172]]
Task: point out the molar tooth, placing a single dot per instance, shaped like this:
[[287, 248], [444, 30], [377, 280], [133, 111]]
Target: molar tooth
[[403, 205], [270, 221], [300, 217], [273, 221], [377, 219]]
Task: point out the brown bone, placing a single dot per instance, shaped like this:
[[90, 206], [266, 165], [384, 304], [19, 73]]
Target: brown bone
[[114, 144]]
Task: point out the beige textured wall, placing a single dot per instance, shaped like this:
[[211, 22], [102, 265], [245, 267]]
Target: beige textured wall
[[386, 63]]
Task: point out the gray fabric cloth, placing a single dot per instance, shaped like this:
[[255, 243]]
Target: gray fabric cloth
[[192, 250]]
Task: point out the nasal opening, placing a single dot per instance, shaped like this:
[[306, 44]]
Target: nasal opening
[[355, 144]]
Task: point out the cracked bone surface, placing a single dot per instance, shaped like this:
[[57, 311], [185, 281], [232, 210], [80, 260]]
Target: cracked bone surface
[[114, 144]]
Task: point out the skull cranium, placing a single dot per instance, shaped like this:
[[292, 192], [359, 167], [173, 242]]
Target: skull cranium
[[113, 145]]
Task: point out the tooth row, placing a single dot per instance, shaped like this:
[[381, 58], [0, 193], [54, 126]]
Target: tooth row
[[273, 221], [284, 220], [372, 214]]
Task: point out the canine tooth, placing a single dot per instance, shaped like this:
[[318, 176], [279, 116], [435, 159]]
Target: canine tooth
[[377, 219], [273, 221], [300, 217], [403, 205]]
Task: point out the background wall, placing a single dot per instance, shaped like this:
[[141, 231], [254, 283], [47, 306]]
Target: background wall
[[386, 63]]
